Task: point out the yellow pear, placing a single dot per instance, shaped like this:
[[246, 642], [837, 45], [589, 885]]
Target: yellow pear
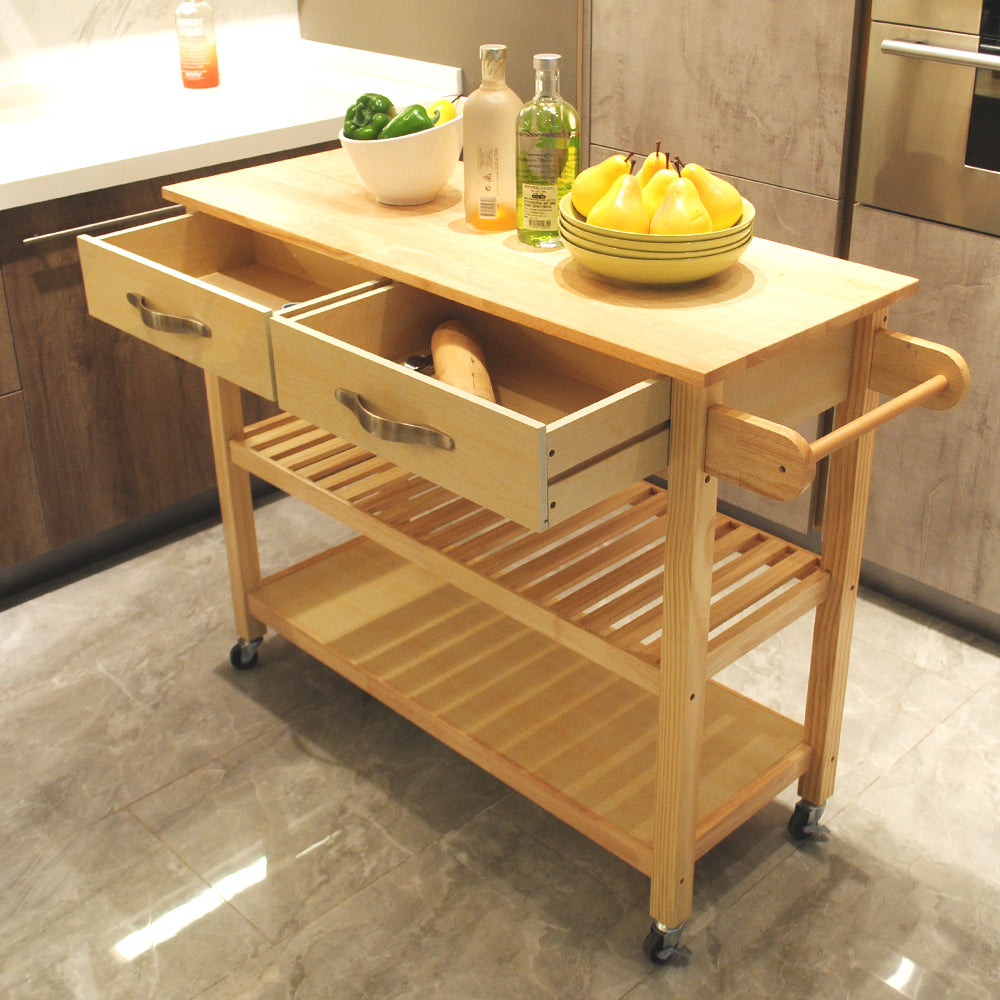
[[621, 208], [590, 185], [654, 162], [723, 202], [656, 188], [681, 212]]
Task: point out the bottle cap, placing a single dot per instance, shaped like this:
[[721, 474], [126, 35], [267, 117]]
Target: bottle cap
[[547, 61], [494, 58], [491, 51]]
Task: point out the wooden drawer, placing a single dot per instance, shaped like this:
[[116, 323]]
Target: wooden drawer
[[569, 428], [216, 283]]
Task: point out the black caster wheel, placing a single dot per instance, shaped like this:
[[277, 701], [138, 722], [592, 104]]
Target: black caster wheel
[[243, 655], [663, 943], [804, 821]]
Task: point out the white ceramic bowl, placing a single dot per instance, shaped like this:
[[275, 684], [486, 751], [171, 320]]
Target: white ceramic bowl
[[410, 169]]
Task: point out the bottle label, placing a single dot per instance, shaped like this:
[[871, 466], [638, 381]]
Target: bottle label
[[546, 167], [539, 206], [488, 176]]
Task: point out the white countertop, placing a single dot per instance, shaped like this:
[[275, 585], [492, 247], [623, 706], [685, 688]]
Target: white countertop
[[93, 120]]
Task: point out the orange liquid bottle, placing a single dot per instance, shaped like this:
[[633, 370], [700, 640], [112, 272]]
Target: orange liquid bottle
[[196, 38]]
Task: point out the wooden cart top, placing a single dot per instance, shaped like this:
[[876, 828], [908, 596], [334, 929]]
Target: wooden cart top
[[769, 302]]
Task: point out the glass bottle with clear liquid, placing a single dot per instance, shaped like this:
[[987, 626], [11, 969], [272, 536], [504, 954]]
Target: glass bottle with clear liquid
[[548, 155], [489, 152]]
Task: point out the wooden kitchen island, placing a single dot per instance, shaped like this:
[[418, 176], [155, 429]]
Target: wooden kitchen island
[[543, 583]]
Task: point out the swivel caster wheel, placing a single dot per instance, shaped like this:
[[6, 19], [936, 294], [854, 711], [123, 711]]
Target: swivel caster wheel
[[243, 655], [805, 820], [663, 943]]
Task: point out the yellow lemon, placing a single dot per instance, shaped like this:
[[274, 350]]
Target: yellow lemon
[[446, 109]]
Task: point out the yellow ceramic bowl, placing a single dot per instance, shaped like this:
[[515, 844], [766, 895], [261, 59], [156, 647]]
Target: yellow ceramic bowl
[[624, 248], [657, 271], [575, 221]]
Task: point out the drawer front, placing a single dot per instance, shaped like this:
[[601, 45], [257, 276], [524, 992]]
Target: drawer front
[[204, 290], [339, 367], [216, 330]]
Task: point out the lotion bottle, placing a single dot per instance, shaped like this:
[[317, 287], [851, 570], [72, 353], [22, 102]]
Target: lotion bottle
[[196, 38], [490, 148]]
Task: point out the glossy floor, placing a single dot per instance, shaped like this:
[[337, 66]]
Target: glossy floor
[[173, 829]]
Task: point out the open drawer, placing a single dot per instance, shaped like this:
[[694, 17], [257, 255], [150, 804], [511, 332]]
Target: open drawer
[[569, 426], [204, 290]]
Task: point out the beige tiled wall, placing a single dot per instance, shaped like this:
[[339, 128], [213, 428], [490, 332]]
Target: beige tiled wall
[[443, 31]]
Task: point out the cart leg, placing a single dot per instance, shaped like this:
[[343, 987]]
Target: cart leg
[[690, 537], [848, 483], [225, 411]]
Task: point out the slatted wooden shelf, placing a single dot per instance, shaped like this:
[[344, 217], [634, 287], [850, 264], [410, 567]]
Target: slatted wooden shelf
[[593, 583], [561, 729]]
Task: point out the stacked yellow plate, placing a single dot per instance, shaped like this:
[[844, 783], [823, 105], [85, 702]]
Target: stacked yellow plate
[[651, 259]]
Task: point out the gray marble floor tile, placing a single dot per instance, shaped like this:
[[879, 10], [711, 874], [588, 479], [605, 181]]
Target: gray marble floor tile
[[893, 702], [841, 918], [173, 588], [942, 648], [487, 912], [111, 913], [332, 802], [353, 857], [943, 798]]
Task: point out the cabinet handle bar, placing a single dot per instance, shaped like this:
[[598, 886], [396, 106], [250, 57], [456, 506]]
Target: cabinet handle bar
[[937, 53], [392, 430], [166, 322], [91, 227]]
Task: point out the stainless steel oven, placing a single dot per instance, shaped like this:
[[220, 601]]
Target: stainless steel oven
[[930, 127]]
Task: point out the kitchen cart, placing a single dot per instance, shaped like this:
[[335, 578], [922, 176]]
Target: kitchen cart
[[543, 583]]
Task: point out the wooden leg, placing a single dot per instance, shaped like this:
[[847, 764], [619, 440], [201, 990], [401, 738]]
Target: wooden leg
[[690, 531], [225, 411], [848, 482]]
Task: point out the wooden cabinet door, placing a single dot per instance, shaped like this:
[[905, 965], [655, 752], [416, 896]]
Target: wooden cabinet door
[[9, 380], [756, 90], [939, 477], [117, 428], [23, 532]]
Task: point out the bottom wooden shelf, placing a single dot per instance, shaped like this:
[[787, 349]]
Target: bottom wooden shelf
[[575, 738]]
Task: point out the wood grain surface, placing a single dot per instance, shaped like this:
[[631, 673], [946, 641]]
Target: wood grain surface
[[769, 302]]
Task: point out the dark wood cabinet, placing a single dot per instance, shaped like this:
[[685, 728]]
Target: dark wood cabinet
[[23, 533], [108, 440], [97, 428]]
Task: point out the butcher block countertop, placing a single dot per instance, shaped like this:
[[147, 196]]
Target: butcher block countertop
[[770, 302]]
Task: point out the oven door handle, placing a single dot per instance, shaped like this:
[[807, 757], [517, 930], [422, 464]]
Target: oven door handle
[[937, 53]]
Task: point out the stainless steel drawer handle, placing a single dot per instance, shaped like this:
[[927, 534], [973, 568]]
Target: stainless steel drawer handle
[[165, 322], [936, 53], [392, 430]]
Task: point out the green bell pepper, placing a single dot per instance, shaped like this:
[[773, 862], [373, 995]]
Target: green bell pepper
[[367, 116], [412, 119]]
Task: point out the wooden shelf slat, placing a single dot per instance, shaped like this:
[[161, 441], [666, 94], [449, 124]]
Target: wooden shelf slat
[[552, 724], [593, 582]]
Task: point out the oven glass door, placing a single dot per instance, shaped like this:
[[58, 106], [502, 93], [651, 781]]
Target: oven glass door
[[983, 149], [923, 124]]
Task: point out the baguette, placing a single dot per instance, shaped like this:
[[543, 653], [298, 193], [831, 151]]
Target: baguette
[[459, 361]]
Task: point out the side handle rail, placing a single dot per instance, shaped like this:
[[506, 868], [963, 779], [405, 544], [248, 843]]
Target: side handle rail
[[778, 462]]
